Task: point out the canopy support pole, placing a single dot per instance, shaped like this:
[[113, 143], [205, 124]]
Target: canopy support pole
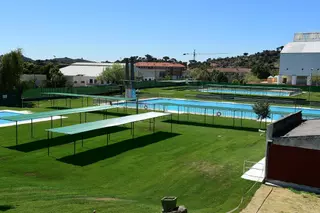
[[16, 133], [82, 140], [48, 143], [154, 124], [51, 125], [85, 117], [74, 147], [31, 129], [80, 118], [171, 122], [60, 120]]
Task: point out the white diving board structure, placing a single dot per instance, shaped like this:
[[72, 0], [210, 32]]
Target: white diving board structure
[[84, 128]]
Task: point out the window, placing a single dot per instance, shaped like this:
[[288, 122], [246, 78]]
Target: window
[[75, 82], [102, 82], [82, 82], [91, 81], [95, 81]]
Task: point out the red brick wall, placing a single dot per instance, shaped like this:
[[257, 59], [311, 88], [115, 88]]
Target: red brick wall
[[294, 165]]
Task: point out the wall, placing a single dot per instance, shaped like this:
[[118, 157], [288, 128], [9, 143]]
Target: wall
[[296, 61], [294, 165], [284, 125]]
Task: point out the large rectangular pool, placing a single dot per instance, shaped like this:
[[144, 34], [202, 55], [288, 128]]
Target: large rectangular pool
[[224, 109], [274, 92]]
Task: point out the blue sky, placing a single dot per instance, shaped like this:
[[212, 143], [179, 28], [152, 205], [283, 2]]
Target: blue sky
[[112, 29]]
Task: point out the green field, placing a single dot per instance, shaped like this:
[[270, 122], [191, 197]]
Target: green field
[[199, 163]]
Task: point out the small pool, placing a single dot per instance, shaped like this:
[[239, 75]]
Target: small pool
[[225, 109], [250, 91], [7, 113]]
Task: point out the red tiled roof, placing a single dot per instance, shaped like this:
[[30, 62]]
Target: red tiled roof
[[235, 70], [158, 64]]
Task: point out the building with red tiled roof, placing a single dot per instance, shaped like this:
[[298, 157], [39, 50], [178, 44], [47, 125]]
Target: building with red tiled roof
[[159, 70]]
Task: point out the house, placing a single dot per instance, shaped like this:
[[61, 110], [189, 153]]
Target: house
[[84, 74], [293, 152], [158, 70], [300, 59]]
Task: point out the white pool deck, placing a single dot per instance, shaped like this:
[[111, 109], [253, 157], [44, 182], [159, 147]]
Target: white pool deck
[[256, 172], [27, 121]]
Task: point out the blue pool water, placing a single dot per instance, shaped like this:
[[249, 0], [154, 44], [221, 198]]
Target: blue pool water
[[226, 109], [250, 92], [3, 114]]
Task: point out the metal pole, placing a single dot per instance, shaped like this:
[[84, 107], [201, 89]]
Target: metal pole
[[16, 132], [74, 147], [85, 117], [205, 113], [241, 118], [107, 139], [60, 120], [82, 140], [171, 122], [51, 126], [212, 116], [154, 124], [87, 101], [48, 142], [82, 101], [234, 115], [31, 129], [178, 113], [80, 117]]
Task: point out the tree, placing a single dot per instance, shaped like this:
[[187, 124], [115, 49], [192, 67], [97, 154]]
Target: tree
[[166, 58], [221, 78], [261, 71], [201, 74], [113, 74], [11, 70], [149, 58], [262, 110], [245, 54]]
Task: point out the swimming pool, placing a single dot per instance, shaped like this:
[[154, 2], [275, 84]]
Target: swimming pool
[[224, 109], [7, 113], [274, 92]]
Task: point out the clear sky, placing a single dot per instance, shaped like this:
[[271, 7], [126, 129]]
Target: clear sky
[[112, 29]]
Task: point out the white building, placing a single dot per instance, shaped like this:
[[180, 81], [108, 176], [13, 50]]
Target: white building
[[158, 70], [300, 59], [84, 74]]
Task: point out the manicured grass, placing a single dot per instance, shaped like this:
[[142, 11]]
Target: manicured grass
[[200, 163]]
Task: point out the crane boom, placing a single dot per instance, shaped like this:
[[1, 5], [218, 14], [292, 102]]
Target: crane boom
[[194, 54]]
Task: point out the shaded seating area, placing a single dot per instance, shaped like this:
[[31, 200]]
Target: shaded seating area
[[80, 130], [51, 114]]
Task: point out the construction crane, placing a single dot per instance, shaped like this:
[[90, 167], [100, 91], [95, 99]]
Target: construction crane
[[194, 54]]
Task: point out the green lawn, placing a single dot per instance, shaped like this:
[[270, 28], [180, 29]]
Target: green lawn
[[199, 163]]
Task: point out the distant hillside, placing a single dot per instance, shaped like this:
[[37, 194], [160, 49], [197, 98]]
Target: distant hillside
[[269, 58]]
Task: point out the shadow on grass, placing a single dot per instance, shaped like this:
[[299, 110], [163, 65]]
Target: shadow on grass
[[116, 114], [4, 208], [64, 139], [193, 123], [94, 155], [58, 107]]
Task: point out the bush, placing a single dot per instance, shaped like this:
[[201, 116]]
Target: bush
[[235, 81]]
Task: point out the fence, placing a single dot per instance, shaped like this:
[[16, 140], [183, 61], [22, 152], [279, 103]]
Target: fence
[[211, 115]]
